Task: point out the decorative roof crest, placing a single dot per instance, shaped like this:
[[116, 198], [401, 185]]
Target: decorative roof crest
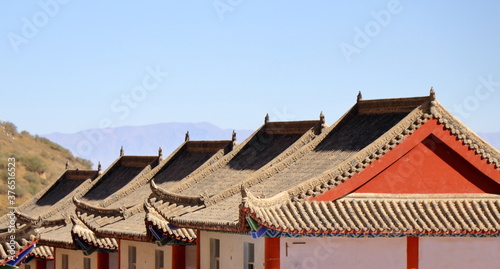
[[360, 96]]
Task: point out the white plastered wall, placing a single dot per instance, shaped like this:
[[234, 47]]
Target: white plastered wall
[[342, 252], [145, 254], [231, 249], [459, 252], [191, 257], [75, 258]]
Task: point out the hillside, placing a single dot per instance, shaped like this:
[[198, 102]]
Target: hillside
[[104, 145], [38, 162]]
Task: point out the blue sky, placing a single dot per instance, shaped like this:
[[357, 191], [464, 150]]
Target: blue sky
[[66, 65]]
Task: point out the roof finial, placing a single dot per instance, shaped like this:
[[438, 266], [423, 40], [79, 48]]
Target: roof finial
[[67, 165], [99, 167], [432, 94], [160, 152], [321, 118], [360, 96], [233, 138], [266, 119], [186, 137], [121, 151]]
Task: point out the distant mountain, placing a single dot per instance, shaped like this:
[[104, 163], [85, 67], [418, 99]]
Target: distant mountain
[[31, 163], [492, 138], [104, 144]]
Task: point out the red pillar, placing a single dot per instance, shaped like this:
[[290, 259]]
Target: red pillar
[[41, 264], [178, 257], [272, 253], [102, 260], [119, 253], [412, 252], [198, 250], [55, 260]]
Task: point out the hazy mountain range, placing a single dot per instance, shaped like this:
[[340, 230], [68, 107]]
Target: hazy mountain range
[[104, 144]]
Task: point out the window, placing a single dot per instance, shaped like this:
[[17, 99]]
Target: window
[[214, 253], [159, 259], [86, 263], [249, 256], [132, 259], [64, 260]]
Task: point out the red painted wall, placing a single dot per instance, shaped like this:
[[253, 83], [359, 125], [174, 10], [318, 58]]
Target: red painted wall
[[430, 167], [431, 160]]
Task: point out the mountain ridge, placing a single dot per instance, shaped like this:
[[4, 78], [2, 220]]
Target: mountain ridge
[[103, 145]]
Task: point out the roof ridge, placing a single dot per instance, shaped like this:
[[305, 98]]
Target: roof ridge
[[364, 157], [391, 105], [78, 192], [251, 200], [466, 135], [41, 193], [176, 197], [88, 208], [264, 171], [212, 160], [201, 173], [138, 181], [40, 221]]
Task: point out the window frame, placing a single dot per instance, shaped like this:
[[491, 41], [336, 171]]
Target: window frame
[[249, 255], [214, 253], [132, 257]]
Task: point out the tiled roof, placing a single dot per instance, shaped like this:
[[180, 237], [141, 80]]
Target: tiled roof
[[309, 158], [382, 214], [122, 215], [25, 236], [365, 133], [43, 252], [273, 142], [122, 173], [181, 234], [80, 231], [45, 214], [55, 198]]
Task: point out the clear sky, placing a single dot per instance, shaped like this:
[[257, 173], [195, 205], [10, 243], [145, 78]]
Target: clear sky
[[66, 65]]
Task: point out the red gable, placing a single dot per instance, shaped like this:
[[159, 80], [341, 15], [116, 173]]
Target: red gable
[[429, 161]]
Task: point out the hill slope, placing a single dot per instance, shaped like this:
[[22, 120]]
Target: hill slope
[[38, 162], [104, 145]]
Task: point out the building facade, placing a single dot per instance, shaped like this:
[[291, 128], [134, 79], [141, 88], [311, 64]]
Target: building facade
[[394, 183]]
